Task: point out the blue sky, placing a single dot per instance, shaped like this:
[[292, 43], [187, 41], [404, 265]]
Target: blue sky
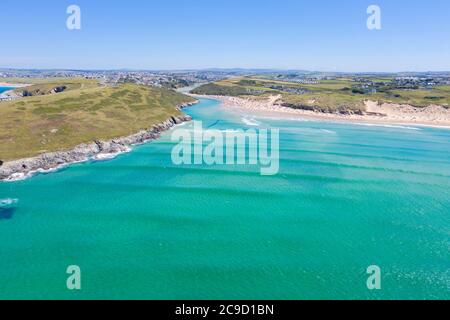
[[323, 35]]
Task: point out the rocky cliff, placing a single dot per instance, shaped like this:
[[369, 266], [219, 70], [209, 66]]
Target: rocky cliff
[[24, 168]]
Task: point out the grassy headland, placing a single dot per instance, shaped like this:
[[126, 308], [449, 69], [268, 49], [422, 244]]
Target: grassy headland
[[84, 111], [41, 87]]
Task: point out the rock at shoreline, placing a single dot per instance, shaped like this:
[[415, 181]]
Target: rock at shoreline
[[84, 152]]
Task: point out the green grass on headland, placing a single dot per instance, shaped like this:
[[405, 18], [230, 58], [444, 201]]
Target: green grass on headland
[[60, 80], [51, 86], [86, 111]]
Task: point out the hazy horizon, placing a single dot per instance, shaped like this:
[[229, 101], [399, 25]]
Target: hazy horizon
[[225, 70]]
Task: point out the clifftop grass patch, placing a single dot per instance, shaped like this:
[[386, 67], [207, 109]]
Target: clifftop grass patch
[[52, 86]]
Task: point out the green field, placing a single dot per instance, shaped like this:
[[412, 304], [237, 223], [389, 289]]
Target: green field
[[57, 80], [338, 95], [84, 112], [42, 87]]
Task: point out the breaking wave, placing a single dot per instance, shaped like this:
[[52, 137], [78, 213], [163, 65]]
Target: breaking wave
[[250, 122]]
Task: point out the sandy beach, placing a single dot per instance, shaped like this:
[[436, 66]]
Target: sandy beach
[[386, 113], [14, 85]]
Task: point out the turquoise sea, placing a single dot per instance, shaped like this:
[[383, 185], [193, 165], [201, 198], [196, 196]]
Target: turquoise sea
[[347, 196], [3, 89]]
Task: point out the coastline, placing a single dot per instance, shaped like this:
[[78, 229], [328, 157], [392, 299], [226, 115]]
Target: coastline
[[10, 94], [22, 169], [378, 114]]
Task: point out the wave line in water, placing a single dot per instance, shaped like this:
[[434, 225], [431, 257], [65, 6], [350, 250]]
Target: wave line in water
[[251, 122]]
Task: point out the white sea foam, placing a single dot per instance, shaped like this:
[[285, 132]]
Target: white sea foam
[[105, 156], [328, 131], [8, 202], [17, 177], [109, 156], [20, 176], [308, 131], [284, 118], [231, 131], [387, 126], [250, 122]]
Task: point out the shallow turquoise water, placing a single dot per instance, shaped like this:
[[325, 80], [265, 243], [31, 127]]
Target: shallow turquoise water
[[3, 89], [347, 196]]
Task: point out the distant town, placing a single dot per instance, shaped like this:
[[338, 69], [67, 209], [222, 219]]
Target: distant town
[[176, 79], [364, 83]]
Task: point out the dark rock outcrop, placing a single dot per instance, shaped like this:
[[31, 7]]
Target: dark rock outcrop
[[187, 104], [58, 89]]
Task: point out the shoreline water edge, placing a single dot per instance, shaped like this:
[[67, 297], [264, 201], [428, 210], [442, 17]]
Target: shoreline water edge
[[378, 114], [97, 150], [14, 85]]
